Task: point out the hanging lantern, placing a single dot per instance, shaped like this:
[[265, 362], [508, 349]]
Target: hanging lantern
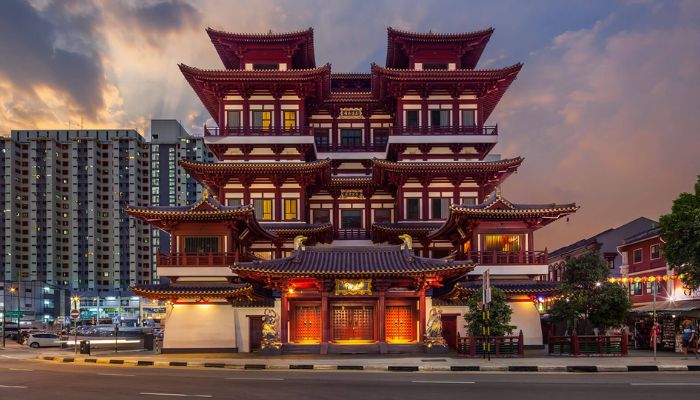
[[651, 279]]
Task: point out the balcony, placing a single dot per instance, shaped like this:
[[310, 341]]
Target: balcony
[[508, 257], [253, 131], [369, 147], [351, 234], [445, 130], [196, 260]]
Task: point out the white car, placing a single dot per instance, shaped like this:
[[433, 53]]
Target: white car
[[36, 340]]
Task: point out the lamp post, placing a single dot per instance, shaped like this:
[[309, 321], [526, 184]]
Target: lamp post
[[4, 307], [653, 307], [12, 290], [76, 300]]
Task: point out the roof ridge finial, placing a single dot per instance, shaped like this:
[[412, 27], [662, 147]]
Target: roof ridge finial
[[205, 194], [407, 241]]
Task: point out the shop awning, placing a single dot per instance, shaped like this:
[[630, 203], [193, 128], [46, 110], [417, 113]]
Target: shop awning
[[670, 306]]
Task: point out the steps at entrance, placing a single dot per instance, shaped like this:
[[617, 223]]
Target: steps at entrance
[[370, 348], [301, 348], [404, 348]]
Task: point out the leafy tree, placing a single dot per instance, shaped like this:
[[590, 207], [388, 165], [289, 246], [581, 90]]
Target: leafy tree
[[499, 313], [681, 231], [586, 294]]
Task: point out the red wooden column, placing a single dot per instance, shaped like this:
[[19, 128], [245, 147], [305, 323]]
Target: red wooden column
[[368, 129], [335, 193], [335, 134], [398, 124], [278, 181], [284, 317], [382, 321], [424, 112], [222, 112], [425, 201], [246, 111], [421, 315], [455, 112], [368, 209], [246, 182], [278, 112], [325, 322]]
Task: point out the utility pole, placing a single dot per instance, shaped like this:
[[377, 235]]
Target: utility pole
[[655, 327]]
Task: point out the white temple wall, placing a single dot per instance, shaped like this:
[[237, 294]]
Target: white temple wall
[[526, 318], [210, 327]]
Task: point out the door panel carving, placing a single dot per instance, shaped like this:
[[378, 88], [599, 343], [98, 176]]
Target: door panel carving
[[353, 323]]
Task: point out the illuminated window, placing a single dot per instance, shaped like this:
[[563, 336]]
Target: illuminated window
[[262, 119], [290, 209], [263, 209], [502, 242], [290, 119]]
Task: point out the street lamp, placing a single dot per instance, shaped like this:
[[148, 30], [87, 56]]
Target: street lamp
[[76, 299], [12, 290]]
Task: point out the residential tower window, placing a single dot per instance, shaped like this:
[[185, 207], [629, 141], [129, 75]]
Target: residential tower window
[[468, 118], [351, 137], [655, 251], [506, 243], [263, 209], [290, 209], [412, 117], [290, 119], [262, 119], [233, 119], [439, 208], [440, 118], [321, 216], [636, 288], [637, 256], [413, 208], [351, 219]]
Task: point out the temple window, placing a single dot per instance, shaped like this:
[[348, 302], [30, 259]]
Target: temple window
[[233, 119], [413, 208], [440, 66], [506, 243], [468, 118], [381, 137], [263, 209], [637, 256], [233, 202], [290, 209], [351, 137], [439, 208], [262, 119], [263, 255], [351, 219], [321, 216], [440, 118], [382, 215], [412, 118], [201, 244], [265, 66], [441, 253], [321, 137], [290, 119], [655, 251], [468, 201]]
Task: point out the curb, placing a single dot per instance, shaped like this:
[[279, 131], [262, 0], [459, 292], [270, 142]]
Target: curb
[[377, 367]]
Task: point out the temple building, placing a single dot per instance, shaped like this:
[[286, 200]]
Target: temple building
[[350, 205]]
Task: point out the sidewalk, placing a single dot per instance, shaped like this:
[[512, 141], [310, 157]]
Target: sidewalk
[[535, 361]]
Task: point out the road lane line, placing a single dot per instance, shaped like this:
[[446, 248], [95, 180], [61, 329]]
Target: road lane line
[[174, 394], [116, 374], [12, 387], [449, 382], [255, 379], [665, 384], [21, 369]]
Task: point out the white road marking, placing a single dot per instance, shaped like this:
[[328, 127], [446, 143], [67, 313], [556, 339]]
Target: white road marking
[[12, 387], [175, 394], [21, 369], [665, 384], [116, 374], [450, 382], [256, 379], [4, 356]]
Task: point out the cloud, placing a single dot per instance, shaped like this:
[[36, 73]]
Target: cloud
[[608, 120]]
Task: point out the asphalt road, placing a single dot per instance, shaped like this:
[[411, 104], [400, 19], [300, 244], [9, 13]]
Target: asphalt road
[[27, 380]]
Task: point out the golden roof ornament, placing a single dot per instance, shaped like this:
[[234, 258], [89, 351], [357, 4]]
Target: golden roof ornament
[[407, 241], [299, 242]]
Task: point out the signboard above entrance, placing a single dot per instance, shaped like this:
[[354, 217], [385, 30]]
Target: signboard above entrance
[[350, 113], [353, 287]]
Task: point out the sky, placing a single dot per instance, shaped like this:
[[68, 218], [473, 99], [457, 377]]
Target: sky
[[605, 110]]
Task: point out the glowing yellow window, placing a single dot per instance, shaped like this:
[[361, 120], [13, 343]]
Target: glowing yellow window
[[263, 209], [502, 242], [262, 119], [290, 119], [290, 209]]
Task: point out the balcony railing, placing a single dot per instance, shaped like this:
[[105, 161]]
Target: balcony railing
[[196, 259], [446, 130], [325, 148], [508, 257], [351, 234], [255, 131]]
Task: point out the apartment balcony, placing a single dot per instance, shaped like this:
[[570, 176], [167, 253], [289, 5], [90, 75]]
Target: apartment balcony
[[445, 130], [255, 131], [508, 257], [195, 260]]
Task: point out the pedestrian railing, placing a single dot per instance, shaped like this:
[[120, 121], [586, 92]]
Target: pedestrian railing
[[588, 345], [496, 346]]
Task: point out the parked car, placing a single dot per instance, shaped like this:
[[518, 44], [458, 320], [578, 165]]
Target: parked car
[[36, 340]]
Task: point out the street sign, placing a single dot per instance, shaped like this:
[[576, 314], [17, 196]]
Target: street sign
[[74, 314], [486, 287], [14, 314]]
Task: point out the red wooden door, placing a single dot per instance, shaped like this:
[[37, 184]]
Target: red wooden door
[[400, 324], [449, 330], [353, 323], [307, 324]]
